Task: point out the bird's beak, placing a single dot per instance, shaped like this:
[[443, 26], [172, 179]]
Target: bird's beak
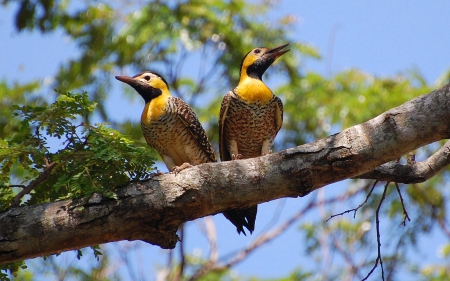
[[125, 79], [277, 51]]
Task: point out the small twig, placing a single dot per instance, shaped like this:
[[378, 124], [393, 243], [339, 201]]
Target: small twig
[[34, 183], [403, 206], [357, 208], [18, 185], [70, 136], [377, 218], [89, 175]]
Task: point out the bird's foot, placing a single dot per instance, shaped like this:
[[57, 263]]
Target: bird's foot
[[266, 153], [180, 168], [236, 156]]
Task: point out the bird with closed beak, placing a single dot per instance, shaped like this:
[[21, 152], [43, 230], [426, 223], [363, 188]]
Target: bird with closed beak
[[169, 125]]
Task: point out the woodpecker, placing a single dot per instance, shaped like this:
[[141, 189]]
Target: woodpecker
[[170, 125], [250, 118]]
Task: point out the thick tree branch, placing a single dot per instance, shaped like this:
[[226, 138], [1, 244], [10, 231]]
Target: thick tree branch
[[412, 172], [153, 210]]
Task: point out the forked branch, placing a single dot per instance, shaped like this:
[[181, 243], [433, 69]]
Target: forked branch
[[412, 172]]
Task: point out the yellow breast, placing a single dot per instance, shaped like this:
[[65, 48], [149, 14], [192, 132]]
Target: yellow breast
[[154, 109], [253, 90]]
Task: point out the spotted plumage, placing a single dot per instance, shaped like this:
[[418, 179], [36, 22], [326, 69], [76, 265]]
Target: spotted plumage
[[250, 118], [170, 125], [248, 128]]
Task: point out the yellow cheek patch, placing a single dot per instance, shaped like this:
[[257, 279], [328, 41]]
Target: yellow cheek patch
[[249, 60], [158, 84]]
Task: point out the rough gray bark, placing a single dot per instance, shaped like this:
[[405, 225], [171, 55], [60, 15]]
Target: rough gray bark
[[152, 210], [412, 172]]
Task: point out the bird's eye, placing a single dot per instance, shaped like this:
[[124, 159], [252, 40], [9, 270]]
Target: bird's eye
[[147, 77], [257, 51]]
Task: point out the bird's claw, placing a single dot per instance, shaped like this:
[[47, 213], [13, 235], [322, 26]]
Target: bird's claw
[[236, 156], [180, 168]]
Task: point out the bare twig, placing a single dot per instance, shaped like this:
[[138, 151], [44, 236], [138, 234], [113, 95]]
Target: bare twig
[[377, 218], [357, 208], [17, 185], [34, 183], [403, 205]]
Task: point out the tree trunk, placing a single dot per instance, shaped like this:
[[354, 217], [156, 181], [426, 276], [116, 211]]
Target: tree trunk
[[152, 210]]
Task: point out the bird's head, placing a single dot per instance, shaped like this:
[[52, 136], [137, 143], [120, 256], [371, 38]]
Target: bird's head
[[256, 62], [148, 84]]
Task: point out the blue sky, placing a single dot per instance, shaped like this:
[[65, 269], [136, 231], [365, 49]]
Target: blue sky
[[379, 37], [382, 37]]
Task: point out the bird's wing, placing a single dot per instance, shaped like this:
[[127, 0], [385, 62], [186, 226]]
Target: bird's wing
[[278, 113], [224, 153], [188, 117]]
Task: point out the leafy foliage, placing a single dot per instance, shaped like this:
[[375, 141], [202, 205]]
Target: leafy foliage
[[12, 268], [89, 158], [10, 95]]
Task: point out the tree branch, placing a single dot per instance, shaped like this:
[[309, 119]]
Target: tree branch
[[153, 210], [377, 223], [412, 172], [354, 210], [33, 184], [405, 213]]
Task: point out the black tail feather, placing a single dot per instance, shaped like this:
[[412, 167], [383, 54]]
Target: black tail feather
[[242, 218]]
